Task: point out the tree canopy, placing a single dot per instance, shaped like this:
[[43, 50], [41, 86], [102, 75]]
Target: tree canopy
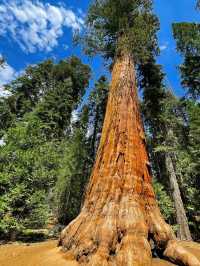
[[114, 26], [35, 124], [187, 36]]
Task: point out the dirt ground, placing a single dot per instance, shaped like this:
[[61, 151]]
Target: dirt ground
[[47, 254], [39, 254]]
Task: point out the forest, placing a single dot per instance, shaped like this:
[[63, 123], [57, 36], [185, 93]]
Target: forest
[[84, 170]]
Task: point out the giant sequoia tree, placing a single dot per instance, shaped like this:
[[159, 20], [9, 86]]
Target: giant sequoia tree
[[120, 214]]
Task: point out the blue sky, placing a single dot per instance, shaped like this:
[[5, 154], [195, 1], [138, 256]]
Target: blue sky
[[32, 31], [170, 11]]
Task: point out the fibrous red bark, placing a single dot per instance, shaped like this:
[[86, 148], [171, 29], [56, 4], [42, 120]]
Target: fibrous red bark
[[120, 213]]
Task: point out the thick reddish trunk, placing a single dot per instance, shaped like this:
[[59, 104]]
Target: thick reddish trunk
[[120, 212]]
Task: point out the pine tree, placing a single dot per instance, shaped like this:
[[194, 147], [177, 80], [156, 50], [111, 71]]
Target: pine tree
[[97, 107], [189, 164], [187, 36], [159, 108]]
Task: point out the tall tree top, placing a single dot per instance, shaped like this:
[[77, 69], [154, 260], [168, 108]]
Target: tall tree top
[[115, 26], [187, 36]]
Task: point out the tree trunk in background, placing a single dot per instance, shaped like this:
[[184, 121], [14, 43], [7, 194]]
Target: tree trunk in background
[[120, 213], [94, 135], [181, 218]]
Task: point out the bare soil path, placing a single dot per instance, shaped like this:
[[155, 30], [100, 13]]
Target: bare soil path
[[39, 254], [48, 254]]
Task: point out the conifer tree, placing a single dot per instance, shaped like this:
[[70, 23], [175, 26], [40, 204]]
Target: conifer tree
[[97, 107], [188, 164], [74, 171], [187, 36], [120, 212], [34, 124], [79, 154], [159, 108]]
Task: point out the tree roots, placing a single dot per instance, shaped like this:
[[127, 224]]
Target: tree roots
[[95, 240], [179, 255]]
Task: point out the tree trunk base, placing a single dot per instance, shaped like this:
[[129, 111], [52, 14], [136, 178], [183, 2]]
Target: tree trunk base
[[136, 254], [100, 240]]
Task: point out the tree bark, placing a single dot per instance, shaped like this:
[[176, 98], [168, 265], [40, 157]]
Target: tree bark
[[181, 218], [120, 213], [94, 135]]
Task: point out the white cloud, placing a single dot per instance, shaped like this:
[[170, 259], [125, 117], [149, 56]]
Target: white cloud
[[163, 46], [7, 74], [36, 26]]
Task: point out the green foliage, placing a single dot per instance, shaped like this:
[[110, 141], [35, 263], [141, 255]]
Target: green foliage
[[154, 96], [190, 73], [79, 154], [172, 126], [97, 108], [151, 81], [193, 157], [188, 165], [55, 109], [28, 170], [194, 132], [6, 116], [115, 26], [35, 122], [73, 172], [187, 36], [44, 82], [164, 201], [167, 121]]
